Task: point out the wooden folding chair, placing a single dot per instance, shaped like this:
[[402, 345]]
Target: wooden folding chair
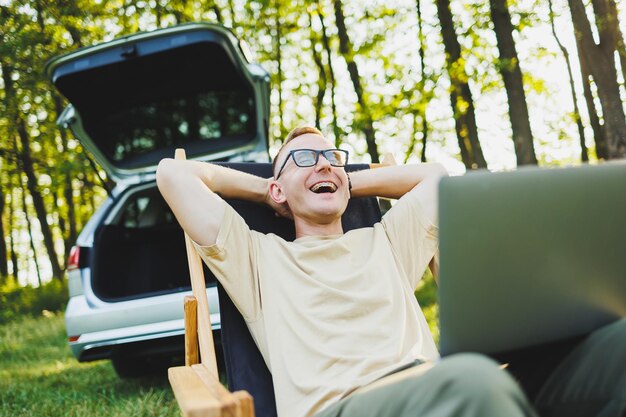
[[196, 385]]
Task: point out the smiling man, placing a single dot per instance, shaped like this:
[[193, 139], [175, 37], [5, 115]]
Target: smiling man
[[333, 313]]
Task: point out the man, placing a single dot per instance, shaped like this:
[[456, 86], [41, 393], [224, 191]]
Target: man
[[330, 312], [333, 313]]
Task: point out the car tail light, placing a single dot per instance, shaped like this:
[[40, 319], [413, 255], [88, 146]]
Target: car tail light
[[73, 338], [73, 261]]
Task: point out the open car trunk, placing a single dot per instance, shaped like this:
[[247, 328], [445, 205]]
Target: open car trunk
[[141, 252], [136, 99]]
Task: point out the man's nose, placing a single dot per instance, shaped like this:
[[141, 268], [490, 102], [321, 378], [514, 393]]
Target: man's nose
[[322, 163]]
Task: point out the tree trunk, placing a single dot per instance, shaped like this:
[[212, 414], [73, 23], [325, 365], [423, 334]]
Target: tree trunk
[[584, 156], [346, 49], [423, 103], [218, 12], [68, 192], [620, 46], [31, 238], [85, 191], [40, 209], [4, 261], [26, 164], [321, 78], [76, 36], [601, 63], [158, 13], [38, 6], [11, 240], [460, 94], [422, 55], [179, 15], [411, 148], [233, 16], [594, 120], [62, 225], [512, 76], [331, 74], [279, 71]]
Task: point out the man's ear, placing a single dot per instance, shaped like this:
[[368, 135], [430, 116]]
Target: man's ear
[[276, 192]]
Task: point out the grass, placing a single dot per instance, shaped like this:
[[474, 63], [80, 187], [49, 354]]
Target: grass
[[40, 377]]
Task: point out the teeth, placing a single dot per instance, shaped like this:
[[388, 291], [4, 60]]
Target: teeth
[[319, 185]]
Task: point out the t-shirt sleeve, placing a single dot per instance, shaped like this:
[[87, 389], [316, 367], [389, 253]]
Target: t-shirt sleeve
[[413, 236], [232, 259]]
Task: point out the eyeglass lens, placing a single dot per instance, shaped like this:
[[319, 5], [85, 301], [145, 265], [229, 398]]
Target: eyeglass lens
[[308, 157]]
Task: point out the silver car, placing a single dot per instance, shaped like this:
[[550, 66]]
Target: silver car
[[134, 100]]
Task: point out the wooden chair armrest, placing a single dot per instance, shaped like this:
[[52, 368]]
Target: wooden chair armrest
[[196, 386], [200, 394]]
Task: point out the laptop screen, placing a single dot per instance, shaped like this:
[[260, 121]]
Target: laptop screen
[[530, 256]]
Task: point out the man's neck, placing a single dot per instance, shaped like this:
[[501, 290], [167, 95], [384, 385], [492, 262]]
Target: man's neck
[[306, 228]]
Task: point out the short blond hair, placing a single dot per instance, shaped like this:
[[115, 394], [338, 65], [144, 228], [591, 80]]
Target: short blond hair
[[298, 131]]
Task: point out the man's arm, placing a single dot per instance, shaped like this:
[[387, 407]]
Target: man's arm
[[394, 181], [397, 180], [191, 189]]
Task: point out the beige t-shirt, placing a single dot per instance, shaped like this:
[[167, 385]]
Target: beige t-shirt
[[329, 313]]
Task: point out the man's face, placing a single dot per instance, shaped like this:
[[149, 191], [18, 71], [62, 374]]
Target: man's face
[[318, 194]]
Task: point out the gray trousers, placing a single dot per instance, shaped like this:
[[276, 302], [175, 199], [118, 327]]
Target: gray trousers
[[589, 381]]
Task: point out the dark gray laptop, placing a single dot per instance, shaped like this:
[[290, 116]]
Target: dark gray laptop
[[531, 256]]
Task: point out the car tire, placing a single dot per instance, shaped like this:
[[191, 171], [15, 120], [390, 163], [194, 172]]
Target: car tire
[[129, 365], [152, 359]]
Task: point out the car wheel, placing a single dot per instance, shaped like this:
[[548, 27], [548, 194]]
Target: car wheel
[[129, 365]]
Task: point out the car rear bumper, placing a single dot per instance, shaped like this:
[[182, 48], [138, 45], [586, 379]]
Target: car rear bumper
[[93, 332]]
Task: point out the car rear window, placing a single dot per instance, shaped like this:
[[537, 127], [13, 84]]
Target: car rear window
[[139, 109], [212, 116]]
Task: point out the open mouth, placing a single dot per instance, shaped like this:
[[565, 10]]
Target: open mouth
[[323, 187]]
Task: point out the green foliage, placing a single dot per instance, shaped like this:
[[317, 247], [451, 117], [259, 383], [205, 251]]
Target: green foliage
[[399, 86], [40, 377], [18, 301], [426, 294]]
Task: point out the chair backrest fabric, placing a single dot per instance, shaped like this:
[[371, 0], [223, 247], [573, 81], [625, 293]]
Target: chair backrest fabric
[[245, 367]]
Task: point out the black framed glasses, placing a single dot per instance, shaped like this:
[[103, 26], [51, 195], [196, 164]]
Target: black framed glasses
[[309, 157]]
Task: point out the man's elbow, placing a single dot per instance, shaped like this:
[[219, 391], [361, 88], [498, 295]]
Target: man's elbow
[[164, 173], [438, 170]]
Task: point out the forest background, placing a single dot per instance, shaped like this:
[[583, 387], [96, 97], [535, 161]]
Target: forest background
[[471, 84]]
